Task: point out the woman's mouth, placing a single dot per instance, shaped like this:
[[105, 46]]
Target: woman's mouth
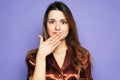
[[57, 33]]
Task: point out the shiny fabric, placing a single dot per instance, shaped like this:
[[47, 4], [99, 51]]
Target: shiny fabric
[[66, 72]]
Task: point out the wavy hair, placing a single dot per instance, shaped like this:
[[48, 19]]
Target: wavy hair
[[72, 39], [82, 56]]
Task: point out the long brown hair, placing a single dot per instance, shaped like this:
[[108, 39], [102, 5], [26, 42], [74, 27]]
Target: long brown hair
[[82, 56], [72, 40]]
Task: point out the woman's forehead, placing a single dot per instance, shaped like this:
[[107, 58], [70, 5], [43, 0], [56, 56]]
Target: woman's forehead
[[56, 14]]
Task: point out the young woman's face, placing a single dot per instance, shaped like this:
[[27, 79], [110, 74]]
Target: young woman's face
[[57, 23]]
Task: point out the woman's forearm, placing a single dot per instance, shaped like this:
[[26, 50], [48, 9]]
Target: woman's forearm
[[45, 48], [40, 69]]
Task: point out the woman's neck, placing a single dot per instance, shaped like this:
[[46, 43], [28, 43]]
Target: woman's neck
[[60, 52], [61, 48]]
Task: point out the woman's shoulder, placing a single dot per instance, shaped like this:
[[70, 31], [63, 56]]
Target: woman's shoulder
[[84, 56], [83, 52], [31, 56], [32, 53]]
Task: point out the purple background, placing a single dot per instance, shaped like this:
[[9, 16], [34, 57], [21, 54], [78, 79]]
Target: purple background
[[98, 23]]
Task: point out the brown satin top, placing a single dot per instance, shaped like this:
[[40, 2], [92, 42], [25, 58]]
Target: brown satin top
[[66, 72]]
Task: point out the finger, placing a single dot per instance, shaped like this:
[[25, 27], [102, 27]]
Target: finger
[[57, 44], [52, 37], [57, 38], [41, 39]]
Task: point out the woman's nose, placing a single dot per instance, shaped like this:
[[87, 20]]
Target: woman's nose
[[57, 26]]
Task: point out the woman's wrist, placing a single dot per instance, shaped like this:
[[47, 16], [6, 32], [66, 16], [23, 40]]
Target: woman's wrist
[[40, 56]]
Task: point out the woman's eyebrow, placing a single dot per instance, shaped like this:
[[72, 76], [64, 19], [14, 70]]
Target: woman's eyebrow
[[51, 19], [60, 19], [63, 19]]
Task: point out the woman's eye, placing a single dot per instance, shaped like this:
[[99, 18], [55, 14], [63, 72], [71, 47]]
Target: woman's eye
[[64, 22], [51, 22]]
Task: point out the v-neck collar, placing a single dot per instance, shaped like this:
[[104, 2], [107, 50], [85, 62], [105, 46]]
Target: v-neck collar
[[67, 61]]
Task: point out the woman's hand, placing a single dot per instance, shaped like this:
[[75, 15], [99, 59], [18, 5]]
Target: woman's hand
[[45, 48], [48, 46]]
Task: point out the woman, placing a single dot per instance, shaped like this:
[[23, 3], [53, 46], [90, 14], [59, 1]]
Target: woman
[[60, 55]]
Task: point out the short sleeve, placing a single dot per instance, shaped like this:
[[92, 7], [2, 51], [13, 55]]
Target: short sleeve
[[85, 73], [30, 61]]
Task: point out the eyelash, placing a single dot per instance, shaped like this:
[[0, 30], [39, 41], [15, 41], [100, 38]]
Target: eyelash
[[64, 22], [52, 22]]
